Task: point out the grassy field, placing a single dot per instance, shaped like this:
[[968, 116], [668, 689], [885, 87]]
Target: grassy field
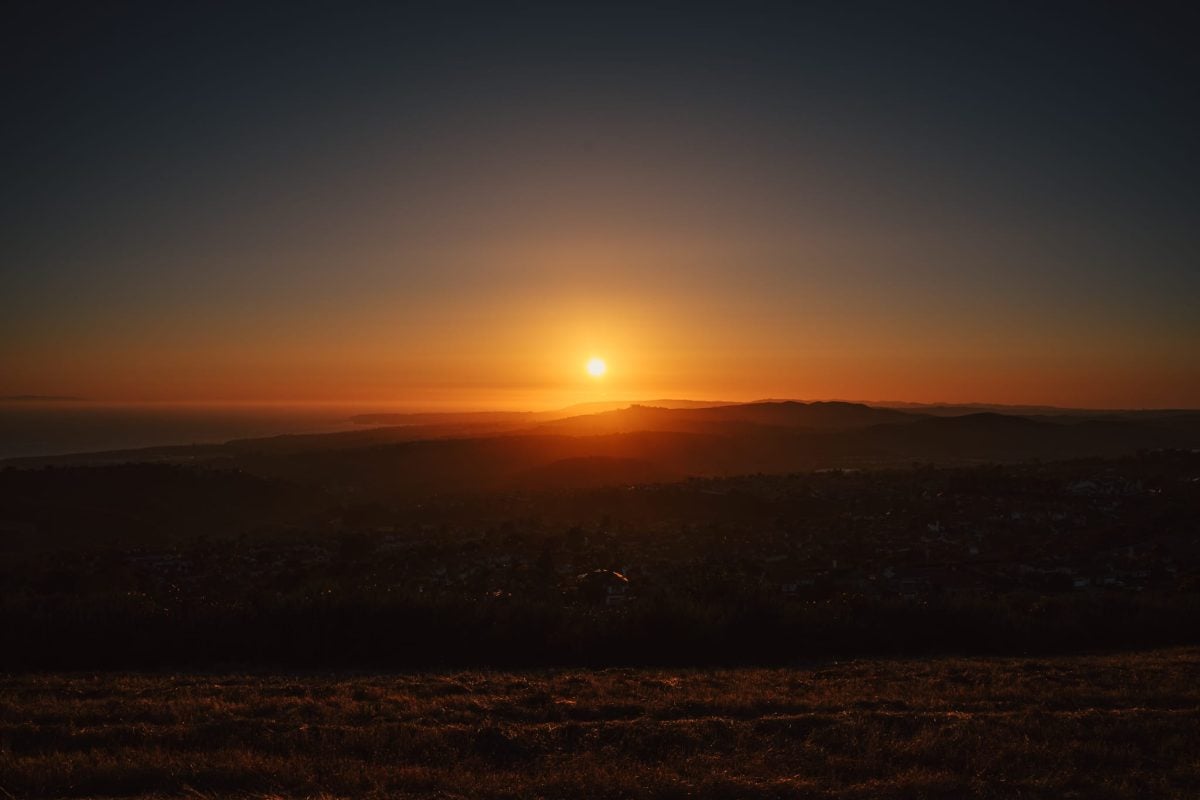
[[1089, 726]]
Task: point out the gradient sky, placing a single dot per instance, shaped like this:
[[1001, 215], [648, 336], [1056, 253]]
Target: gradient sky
[[448, 204]]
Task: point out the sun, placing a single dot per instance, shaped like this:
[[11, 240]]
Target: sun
[[596, 367]]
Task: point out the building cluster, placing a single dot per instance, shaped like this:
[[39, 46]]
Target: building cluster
[[912, 535]]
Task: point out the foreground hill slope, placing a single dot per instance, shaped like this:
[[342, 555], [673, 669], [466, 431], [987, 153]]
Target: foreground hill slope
[[1105, 726]]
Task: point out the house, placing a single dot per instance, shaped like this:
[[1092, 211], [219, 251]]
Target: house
[[602, 586]]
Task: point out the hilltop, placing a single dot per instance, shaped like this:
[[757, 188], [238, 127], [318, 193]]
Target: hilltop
[[455, 452]]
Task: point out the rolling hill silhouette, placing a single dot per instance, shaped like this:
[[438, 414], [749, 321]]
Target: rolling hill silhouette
[[517, 418], [778, 414], [638, 444]]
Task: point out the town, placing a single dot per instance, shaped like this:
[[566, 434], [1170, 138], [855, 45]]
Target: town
[[921, 538]]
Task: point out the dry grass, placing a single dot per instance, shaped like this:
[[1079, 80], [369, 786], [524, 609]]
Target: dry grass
[[1088, 727]]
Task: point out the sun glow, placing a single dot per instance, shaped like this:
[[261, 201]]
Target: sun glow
[[596, 367]]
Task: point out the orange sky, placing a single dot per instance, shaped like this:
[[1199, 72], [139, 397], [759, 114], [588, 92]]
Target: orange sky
[[530, 352], [511, 325]]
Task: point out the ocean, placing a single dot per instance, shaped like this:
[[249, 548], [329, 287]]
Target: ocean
[[59, 428]]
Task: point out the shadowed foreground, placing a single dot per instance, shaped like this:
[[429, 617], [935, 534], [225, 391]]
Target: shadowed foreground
[[1090, 726]]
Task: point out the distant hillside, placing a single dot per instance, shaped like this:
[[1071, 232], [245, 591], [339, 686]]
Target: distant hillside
[[593, 471], [417, 469], [519, 417], [726, 419], [624, 457], [989, 436], [142, 503], [641, 443], [962, 409], [294, 480], [448, 418]]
